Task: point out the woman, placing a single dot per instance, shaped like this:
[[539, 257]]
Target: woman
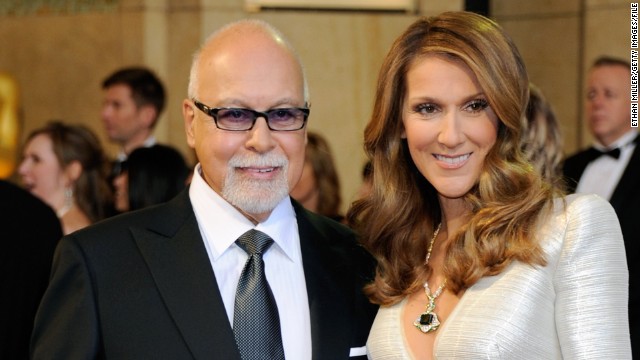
[[319, 187], [478, 256], [150, 176], [64, 165]]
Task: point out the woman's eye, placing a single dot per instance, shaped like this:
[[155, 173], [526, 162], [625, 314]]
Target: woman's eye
[[426, 109], [477, 105]]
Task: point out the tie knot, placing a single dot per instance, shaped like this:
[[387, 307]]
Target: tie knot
[[254, 242]]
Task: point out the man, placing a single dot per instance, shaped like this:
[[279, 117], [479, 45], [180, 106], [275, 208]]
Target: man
[[169, 282], [133, 101], [611, 168], [30, 232]]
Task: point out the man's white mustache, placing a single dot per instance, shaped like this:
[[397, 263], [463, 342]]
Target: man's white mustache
[[267, 160]]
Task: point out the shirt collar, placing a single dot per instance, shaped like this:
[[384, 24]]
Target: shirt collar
[[221, 223], [151, 140], [623, 141]]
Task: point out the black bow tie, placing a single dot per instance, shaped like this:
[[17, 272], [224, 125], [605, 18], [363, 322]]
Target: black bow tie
[[614, 153], [596, 153]]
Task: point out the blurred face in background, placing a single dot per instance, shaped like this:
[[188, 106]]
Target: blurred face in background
[[121, 194], [608, 103], [123, 120], [42, 173]]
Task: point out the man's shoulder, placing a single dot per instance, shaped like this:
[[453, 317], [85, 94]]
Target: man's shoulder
[[328, 236], [16, 199], [162, 219], [574, 165], [325, 226], [576, 156], [330, 223], [18, 205]]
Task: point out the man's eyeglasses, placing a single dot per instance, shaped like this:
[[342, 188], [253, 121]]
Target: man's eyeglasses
[[241, 119]]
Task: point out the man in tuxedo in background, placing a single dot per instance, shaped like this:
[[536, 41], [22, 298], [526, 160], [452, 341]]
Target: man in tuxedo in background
[[30, 232], [611, 167], [134, 98], [170, 283]]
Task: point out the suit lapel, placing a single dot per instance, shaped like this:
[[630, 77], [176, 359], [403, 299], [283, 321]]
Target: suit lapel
[[178, 261], [326, 289], [628, 182], [574, 167]]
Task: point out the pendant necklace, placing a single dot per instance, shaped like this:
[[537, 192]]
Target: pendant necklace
[[428, 321]]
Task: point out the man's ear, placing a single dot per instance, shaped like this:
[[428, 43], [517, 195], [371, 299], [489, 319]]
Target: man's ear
[[148, 115], [189, 116]]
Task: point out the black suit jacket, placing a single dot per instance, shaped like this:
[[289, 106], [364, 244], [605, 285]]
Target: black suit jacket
[[29, 231], [140, 286], [626, 202]]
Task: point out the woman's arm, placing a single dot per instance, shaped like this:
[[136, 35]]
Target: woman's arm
[[591, 283]]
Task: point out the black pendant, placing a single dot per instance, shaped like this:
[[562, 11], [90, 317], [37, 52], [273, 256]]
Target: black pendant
[[427, 322], [427, 319]]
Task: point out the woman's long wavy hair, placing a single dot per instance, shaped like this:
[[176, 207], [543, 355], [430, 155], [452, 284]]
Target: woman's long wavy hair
[[78, 143], [402, 211]]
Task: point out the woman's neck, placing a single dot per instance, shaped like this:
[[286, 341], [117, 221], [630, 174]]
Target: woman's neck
[[455, 213], [64, 209]]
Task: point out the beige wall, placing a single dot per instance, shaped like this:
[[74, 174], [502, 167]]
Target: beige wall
[[60, 59], [559, 40]]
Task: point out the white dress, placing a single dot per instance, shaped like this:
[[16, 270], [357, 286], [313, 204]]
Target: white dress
[[573, 308]]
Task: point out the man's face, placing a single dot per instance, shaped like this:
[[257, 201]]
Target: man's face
[[254, 169], [122, 118], [608, 102]]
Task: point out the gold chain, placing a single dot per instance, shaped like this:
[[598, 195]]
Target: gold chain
[[428, 321]]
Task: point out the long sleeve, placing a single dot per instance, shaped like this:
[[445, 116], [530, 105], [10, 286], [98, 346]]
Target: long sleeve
[[591, 282]]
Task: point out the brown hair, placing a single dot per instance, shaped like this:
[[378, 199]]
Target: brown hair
[[403, 209], [146, 88], [542, 141], [318, 154], [78, 143]]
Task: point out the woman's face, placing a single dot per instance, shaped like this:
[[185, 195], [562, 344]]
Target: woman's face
[[42, 173], [448, 124], [121, 196]]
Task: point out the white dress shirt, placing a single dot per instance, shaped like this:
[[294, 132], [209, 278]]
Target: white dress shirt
[[602, 175], [221, 225]]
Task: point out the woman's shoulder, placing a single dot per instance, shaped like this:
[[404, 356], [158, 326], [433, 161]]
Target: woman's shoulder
[[594, 199], [582, 204], [582, 220]]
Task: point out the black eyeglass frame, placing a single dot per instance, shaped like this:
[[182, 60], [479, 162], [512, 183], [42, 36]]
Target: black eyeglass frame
[[213, 112]]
